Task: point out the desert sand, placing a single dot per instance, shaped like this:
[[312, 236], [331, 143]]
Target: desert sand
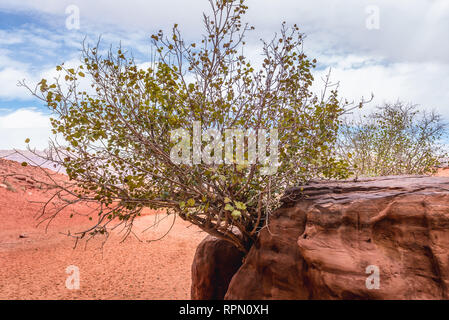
[[33, 260], [442, 172]]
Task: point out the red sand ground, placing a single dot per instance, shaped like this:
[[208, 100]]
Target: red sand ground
[[34, 267], [442, 172]]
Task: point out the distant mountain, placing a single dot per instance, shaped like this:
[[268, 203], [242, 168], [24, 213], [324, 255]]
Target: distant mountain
[[31, 158]]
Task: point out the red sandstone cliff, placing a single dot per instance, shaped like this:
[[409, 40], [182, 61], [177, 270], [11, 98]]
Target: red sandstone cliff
[[320, 244]]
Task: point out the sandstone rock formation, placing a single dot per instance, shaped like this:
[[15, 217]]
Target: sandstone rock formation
[[215, 262], [327, 242]]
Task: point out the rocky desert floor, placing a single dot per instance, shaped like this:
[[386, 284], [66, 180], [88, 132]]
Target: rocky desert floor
[[34, 259]]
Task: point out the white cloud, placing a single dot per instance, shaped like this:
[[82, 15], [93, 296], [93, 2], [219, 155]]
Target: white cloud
[[24, 119], [13, 71], [134, 14], [407, 58], [9, 78], [409, 30], [24, 123], [419, 83]]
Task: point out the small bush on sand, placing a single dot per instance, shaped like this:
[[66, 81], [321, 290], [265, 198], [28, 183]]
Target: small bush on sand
[[395, 139]]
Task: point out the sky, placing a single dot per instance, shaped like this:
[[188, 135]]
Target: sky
[[395, 49]]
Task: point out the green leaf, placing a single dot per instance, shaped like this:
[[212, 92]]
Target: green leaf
[[236, 214], [241, 167], [240, 205]]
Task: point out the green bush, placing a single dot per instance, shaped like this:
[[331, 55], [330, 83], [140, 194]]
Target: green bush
[[395, 139], [118, 147]]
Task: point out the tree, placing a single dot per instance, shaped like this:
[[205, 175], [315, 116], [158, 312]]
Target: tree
[[121, 141], [395, 139]]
